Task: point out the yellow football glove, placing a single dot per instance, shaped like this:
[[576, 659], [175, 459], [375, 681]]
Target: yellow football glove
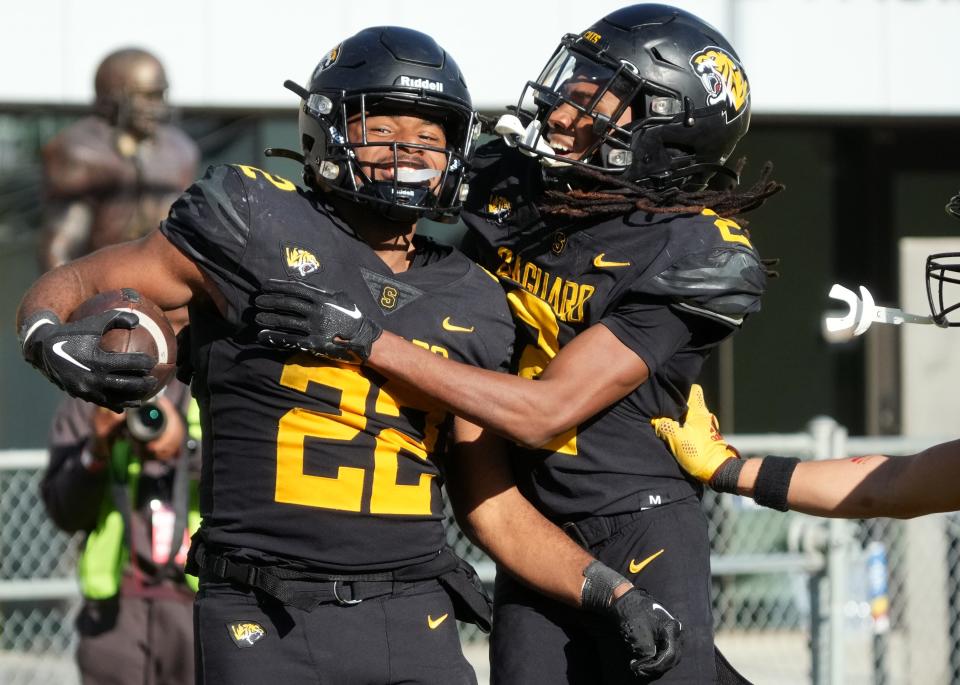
[[697, 445]]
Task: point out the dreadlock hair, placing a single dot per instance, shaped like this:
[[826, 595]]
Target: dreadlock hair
[[618, 196]]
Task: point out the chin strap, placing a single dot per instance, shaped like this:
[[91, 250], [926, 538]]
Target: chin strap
[[528, 140]]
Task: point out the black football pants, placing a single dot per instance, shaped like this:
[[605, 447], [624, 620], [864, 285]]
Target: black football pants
[[406, 635], [536, 641]]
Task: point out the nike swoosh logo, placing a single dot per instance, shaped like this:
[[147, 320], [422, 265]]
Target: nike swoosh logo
[[636, 567], [447, 326], [355, 314], [58, 350], [659, 607], [600, 262], [435, 622]]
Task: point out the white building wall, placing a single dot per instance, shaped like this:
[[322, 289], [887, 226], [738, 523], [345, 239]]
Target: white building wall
[[803, 56]]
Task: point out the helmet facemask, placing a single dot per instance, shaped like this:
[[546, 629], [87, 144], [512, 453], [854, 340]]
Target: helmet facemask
[[584, 86], [655, 135], [406, 188], [943, 286]]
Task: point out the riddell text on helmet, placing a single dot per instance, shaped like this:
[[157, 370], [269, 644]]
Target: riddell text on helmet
[[424, 83]]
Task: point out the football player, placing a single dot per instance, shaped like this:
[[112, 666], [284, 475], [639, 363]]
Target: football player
[[623, 270], [322, 552], [859, 487]]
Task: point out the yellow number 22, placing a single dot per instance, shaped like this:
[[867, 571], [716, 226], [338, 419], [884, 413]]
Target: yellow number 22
[[345, 491]]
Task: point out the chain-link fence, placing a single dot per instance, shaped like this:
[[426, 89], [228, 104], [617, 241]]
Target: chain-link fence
[[796, 599]]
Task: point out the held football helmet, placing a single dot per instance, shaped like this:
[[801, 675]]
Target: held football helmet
[[387, 69], [131, 88], [682, 98], [943, 277]]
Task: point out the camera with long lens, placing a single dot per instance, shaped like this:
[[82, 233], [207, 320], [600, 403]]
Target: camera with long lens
[[146, 422]]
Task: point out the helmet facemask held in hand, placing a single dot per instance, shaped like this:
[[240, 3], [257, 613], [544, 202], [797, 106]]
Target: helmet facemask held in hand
[[649, 93], [943, 277], [404, 74]]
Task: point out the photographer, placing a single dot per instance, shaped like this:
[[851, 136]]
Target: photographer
[[129, 481]]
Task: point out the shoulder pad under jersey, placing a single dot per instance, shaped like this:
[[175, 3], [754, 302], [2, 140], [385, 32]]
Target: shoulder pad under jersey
[[719, 275]]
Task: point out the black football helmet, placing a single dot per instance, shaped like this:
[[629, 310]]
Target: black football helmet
[[686, 90], [943, 277], [395, 70]]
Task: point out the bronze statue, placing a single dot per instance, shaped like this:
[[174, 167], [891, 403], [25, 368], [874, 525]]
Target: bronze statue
[[112, 176]]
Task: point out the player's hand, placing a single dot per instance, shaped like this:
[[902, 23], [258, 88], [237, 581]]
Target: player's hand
[[651, 633], [697, 444], [294, 315], [69, 354]]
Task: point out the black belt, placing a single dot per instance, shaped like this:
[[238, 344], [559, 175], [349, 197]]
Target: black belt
[[339, 588], [589, 531]]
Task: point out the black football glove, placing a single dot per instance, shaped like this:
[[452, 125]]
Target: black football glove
[[294, 315], [651, 633], [69, 354]]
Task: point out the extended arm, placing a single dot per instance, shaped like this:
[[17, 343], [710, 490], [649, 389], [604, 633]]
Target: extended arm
[[858, 487], [592, 372], [151, 265], [874, 485], [497, 517]]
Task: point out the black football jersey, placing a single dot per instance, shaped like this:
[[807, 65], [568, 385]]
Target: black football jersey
[[670, 287], [322, 464]]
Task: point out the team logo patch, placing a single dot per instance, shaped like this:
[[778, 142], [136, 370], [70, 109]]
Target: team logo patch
[[724, 80], [245, 633], [499, 207], [559, 242], [299, 261], [330, 58]]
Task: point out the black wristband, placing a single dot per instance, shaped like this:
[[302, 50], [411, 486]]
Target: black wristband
[[773, 482], [598, 585], [727, 476]]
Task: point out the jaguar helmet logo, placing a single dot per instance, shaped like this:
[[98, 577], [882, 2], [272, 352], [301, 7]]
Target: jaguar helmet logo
[[724, 80], [329, 59]]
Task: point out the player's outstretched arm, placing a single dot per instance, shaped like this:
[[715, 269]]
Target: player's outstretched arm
[[858, 487], [499, 519], [68, 352], [590, 373]]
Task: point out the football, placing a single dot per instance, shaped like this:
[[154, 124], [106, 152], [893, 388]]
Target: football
[[153, 336]]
